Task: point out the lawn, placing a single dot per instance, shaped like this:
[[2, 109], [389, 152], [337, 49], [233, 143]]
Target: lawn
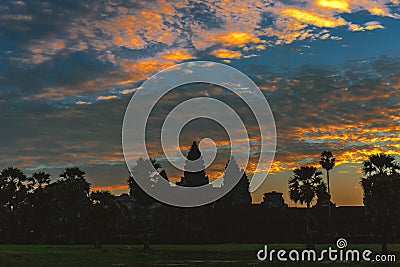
[[159, 255]]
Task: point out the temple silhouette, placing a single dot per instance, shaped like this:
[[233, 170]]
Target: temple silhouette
[[73, 213], [234, 218], [194, 161]]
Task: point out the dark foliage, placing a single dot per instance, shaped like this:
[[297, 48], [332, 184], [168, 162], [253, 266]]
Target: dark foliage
[[381, 186], [35, 210]]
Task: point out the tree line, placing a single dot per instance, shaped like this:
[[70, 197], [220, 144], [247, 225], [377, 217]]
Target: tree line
[[35, 210], [32, 209], [380, 184]]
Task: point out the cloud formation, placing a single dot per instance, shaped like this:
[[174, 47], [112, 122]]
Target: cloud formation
[[163, 32], [69, 69]]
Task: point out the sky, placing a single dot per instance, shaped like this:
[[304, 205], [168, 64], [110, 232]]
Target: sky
[[330, 70]]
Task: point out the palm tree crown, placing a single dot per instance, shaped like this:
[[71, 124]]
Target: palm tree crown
[[380, 164], [304, 185], [327, 160]]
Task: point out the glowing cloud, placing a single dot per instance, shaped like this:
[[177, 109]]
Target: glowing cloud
[[378, 11], [313, 18], [223, 53], [236, 38], [369, 26], [107, 97], [128, 91], [341, 5], [227, 38], [373, 25], [82, 103], [146, 66], [177, 55]]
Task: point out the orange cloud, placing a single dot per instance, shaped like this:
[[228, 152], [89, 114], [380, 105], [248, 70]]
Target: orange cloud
[[82, 103], [235, 38], [373, 25], [356, 28], [136, 28], [128, 91], [161, 22], [313, 18], [177, 55], [107, 97], [225, 37], [376, 10], [146, 66], [43, 50], [59, 44], [224, 53], [369, 26], [341, 5], [129, 39]]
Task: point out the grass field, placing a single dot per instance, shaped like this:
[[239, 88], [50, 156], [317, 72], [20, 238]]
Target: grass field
[[159, 255]]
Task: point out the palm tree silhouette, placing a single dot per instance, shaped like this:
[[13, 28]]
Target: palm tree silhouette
[[327, 162], [41, 179], [13, 188], [73, 190], [304, 186], [104, 215], [381, 192], [150, 171], [380, 164]]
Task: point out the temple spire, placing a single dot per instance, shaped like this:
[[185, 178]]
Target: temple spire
[[194, 162], [194, 152], [239, 195]]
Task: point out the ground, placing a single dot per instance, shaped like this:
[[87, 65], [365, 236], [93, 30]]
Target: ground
[[159, 255]]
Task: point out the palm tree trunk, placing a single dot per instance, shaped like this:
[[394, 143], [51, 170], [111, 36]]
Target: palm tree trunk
[[146, 241], [147, 231], [384, 234], [310, 241], [98, 244], [384, 244], [329, 203]]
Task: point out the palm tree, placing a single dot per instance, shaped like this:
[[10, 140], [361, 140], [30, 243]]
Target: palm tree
[[327, 162], [151, 172], [381, 186], [304, 186], [380, 164], [13, 201], [39, 201], [13, 187], [41, 179], [70, 199], [72, 173], [105, 215]]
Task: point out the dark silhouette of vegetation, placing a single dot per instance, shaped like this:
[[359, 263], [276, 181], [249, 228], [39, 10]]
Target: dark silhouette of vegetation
[[328, 162], [34, 209], [41, 179], [381, 186], [304, 186], [145, 206], [106, 215], [71, 193]]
